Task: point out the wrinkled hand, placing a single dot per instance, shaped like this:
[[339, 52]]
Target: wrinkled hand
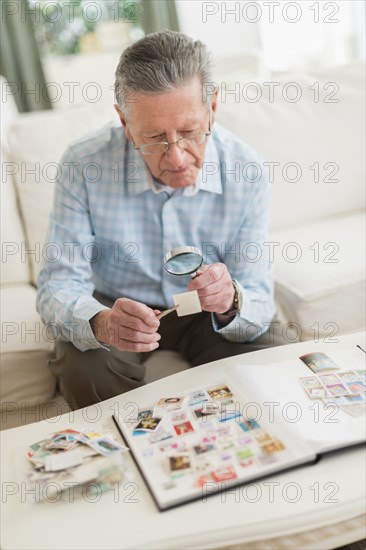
[[128, 326], [215, 288]]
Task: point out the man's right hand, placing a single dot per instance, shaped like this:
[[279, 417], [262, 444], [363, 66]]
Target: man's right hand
[[128, 326]]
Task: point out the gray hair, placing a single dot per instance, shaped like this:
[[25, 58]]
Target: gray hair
[[160, 62]]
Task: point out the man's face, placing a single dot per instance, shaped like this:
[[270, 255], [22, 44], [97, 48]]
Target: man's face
[[168, 117]]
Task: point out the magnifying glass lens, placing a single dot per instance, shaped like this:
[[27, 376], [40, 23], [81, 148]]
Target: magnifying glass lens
[[184, 260], [183, 264]]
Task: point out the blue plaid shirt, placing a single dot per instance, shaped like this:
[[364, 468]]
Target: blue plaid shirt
[[112, 224]]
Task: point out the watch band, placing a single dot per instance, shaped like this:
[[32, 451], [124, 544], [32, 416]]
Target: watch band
[[237, 301]]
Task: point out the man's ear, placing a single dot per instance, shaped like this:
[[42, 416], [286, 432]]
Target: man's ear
[[123, 121], [214, 104]]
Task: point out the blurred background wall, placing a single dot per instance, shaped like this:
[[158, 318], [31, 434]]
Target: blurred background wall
[[60, 53]]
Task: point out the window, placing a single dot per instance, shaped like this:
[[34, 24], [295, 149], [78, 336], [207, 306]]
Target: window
[[80, 42]]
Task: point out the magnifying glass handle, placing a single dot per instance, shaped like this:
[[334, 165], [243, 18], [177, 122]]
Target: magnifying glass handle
[[196, 273], [166, 312]]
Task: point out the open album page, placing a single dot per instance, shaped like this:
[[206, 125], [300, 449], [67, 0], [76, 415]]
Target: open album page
[[206, 439], [319, 397]]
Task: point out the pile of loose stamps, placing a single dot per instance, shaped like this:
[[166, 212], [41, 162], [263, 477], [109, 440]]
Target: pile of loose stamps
[[83, 460], [343, 388]]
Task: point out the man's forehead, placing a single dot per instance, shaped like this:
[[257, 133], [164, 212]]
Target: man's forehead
[[179, 120], [182, 105]]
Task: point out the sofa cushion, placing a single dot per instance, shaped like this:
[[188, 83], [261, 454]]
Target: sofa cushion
[[14, 267], [316, 142], [319, 273], [25, 348], [26, 381], [20, 413], [36, 164], [21, 328]]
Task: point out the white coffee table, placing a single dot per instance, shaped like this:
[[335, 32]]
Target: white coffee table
[[328, 513]]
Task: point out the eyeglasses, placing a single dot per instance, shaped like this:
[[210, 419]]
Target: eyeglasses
[[184, 143]]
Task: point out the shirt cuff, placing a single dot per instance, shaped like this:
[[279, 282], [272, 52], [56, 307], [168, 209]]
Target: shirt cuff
[[83, 336], [241, 328], [218, 327]]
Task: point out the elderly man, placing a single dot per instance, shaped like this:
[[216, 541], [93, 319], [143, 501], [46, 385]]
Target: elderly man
[[168, 176]]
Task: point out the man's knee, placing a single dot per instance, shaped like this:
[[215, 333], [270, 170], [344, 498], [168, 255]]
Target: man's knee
[[69, 359]]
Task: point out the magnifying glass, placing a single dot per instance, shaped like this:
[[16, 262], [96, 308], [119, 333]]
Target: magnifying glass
[[184, 260]]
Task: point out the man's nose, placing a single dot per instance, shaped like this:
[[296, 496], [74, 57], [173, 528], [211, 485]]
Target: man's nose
[[175, 155]]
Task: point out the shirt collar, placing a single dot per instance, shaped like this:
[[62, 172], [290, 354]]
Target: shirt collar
[[141, 179], [209, 176]]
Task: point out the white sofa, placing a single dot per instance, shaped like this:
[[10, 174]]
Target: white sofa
[[317, 227]]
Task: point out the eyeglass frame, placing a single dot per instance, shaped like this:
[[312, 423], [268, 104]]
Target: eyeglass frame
[[168, 144]]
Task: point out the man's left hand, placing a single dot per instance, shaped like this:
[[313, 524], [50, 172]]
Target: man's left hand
[[215, 288]]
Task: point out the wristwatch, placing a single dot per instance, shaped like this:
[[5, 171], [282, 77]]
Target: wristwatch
[[237, 301]]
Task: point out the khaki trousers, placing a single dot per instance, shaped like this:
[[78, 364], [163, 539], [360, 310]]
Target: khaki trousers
[[86, 378]]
